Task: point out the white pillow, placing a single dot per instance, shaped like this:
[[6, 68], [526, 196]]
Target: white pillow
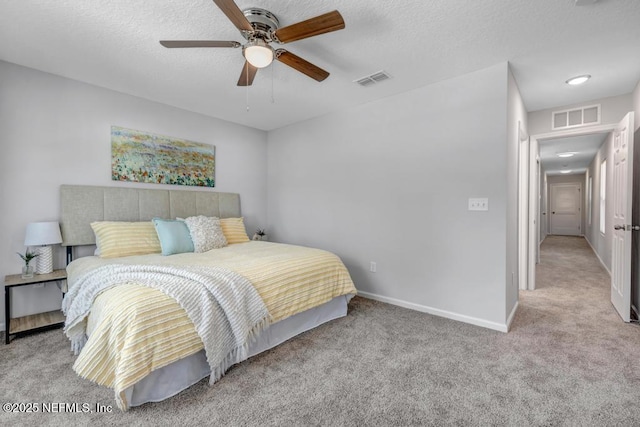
[[206, 233]]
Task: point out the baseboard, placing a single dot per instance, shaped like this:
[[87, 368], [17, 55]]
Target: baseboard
[[437, 312], [597, 256], [512, 315], [3, 327]]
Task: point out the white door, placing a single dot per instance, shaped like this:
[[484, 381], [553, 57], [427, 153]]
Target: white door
[[622, 192], [565, 209]]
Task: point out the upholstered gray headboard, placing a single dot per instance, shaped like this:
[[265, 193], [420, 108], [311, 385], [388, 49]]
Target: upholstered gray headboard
[[81, 205]]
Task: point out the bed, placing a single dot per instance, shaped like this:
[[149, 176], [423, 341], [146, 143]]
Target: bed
[[141, 342]]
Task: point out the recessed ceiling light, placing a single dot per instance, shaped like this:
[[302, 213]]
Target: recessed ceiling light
[[569, 171], [578, 80], [567, 154]]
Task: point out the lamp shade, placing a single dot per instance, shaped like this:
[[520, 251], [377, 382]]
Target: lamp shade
[[42, 233]]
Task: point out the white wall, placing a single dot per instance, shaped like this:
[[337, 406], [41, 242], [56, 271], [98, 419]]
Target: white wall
[[565, 179], [516, 113], [389, 182], [613, 109], [57, 131], [601, 243]]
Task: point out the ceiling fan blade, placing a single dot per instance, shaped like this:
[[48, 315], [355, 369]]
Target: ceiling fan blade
[[304, 66], [326, 23], [198, 43], [247, 75], [234, 14]]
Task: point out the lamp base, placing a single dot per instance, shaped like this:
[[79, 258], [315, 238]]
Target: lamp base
[[44, 260]]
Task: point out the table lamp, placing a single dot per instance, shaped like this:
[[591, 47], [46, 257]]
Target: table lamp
[[41, 235]]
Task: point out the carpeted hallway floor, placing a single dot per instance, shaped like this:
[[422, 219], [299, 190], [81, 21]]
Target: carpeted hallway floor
[[568, 360]]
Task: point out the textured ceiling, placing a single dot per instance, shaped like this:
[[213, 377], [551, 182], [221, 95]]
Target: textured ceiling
[[585, 148], [114, 44]]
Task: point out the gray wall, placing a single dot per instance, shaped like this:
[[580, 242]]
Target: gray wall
[[613, 109], [601, 243], [389, 182], [563, 179], [57, 131]]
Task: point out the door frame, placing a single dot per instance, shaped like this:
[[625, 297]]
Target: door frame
[[523, 208], [534, 187], [534, 212]]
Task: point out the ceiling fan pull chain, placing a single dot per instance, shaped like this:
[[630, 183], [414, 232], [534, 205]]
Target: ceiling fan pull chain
[[247, 86]]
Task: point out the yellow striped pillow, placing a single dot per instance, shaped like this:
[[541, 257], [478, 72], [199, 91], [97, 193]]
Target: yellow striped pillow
[[233, 230], [118, 239]]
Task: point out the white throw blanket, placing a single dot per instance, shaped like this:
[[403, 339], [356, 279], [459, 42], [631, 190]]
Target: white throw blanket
[[225, 308]]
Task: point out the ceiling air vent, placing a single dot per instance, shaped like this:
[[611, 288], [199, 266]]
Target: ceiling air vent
[[582, 116], [372, 79]]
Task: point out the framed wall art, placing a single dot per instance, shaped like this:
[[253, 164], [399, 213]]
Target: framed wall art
[[146, 157]]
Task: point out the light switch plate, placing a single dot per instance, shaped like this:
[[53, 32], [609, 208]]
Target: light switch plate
[[478, 204]]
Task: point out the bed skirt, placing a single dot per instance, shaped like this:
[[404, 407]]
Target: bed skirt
[[178, 376]]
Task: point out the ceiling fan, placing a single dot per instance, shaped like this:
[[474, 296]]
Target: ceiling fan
[[261, 28]]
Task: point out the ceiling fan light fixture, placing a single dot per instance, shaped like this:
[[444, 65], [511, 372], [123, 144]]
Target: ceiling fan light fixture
[[258, 53], [578, 80]]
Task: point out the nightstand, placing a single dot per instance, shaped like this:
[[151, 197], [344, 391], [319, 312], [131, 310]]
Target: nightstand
[[33, 322]]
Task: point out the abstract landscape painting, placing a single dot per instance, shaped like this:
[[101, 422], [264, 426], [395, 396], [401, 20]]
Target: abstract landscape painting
[[145, 157]]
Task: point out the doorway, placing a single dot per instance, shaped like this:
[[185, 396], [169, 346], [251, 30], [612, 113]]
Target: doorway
[[565, 200], [548, 165]]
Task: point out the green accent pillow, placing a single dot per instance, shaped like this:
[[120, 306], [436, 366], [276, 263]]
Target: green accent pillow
[[173, 235]]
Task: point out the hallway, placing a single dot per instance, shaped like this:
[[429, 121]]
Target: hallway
[[569, 319], [569, 328], [572, 293]]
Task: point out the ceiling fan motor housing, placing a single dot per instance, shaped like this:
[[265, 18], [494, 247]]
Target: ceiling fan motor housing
[[264, 23]]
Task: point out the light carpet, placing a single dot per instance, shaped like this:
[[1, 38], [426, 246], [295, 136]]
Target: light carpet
[[568, 360]]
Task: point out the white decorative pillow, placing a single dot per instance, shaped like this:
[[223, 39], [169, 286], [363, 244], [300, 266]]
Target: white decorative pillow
[[206, 233]]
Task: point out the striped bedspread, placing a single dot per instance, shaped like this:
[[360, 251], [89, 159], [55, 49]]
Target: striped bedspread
[[134, 330]]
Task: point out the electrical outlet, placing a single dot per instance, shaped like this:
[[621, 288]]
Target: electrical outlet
[[478, 204], [373, 267]]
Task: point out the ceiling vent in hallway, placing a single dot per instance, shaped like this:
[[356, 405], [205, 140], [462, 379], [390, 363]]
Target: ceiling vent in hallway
[[372, 79], [581, 116]]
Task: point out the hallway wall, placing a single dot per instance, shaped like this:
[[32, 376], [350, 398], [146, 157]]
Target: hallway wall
[[601, 243], [612, 111]]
